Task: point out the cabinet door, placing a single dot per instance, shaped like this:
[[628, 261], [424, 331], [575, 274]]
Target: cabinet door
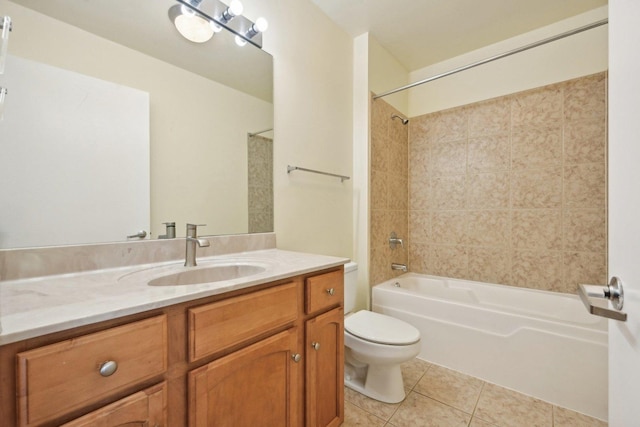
[[256, 386], [147, 408], [325, 369]]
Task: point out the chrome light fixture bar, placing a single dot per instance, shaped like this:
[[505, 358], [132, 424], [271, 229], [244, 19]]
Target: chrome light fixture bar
[[229, 17], [5, 27]]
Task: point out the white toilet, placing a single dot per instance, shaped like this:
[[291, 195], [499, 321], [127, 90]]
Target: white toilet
[[375, 346]]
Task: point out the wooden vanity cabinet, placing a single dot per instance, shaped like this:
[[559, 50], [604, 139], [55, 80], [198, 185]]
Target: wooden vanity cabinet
[[270, 355]]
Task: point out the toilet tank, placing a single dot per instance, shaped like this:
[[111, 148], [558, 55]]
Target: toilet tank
[[350, 286]]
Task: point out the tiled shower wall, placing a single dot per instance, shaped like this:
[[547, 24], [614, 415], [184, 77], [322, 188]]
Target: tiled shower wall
[[260, 167], [510, 190], [388, 189]]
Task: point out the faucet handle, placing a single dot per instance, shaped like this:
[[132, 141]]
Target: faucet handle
[[192, 229]]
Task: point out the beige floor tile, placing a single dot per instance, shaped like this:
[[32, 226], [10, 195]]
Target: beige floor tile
[[357, 417], [412, 371], [567, 418], [511, 409], [420, 411], [450, 387], [477, 422], [377, 408]]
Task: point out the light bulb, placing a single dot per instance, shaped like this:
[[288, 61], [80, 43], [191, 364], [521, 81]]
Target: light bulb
[[261, 24], [240, 41], [235, 7], [215, 27]]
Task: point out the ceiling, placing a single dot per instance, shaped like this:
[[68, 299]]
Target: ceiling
[[419, 33]]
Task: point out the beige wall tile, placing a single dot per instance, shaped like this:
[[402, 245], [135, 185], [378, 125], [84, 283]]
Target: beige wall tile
[[398, 155], [420, 129], [537, 229], [397, 130], [380, 225], [447, 192], [419, 193], [585, 141], [448, 158], [418, 257], [584, 267], [450, 125], [489, 228], [380, 113], [379, 153], [585, 230], [585, 98], [536, 147], [397, 197], [379, 190], [538, 107], [380, 269], [489, 117], [489, 153], [448, 227], [419, 226], [418, 160], [584, 186], [398, 222], [448, 261], [487, 191], [540, 188], [489, 265], [537, 269]]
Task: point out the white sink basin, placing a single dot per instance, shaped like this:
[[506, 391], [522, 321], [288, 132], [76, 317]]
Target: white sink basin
[[215, 273]]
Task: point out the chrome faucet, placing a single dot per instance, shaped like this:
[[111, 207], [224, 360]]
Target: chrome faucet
[[192, 241], [401, 267]]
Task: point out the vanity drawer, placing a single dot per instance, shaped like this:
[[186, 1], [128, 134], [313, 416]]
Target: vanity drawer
[[62, 377], [223, 324], [324, 291]]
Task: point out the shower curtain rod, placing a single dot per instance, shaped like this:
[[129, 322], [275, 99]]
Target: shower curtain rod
[[259, 132], [496, 57]]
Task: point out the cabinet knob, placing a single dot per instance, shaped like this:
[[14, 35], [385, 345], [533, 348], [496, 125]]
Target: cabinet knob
[[315, 345], [331, 291], [296, 357], [108, 368]]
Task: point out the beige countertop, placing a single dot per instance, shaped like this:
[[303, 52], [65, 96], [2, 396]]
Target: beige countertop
[[42, 305]]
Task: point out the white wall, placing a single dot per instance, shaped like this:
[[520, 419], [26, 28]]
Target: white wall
[[386, 73], [579, 55], [313, 125]]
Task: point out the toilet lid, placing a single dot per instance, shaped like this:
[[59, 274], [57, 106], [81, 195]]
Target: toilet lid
[[380, 328]]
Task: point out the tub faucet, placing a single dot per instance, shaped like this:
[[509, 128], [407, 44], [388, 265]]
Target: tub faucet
[[192, 240], [401, 267]]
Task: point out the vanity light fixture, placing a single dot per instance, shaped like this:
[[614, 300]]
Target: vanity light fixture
[[191, 25], [5, 26], [260, 26], [211, 16]]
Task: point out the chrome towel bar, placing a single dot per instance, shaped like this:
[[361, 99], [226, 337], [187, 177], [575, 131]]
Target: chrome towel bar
[[296, 168]]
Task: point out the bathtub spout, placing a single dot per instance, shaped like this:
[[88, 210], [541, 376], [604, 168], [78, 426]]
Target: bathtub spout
[[401, 267]]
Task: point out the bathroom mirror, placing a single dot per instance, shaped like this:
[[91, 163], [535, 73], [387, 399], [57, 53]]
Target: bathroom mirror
[[205, 101]]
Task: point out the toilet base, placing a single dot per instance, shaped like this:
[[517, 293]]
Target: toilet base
[[383, 383]]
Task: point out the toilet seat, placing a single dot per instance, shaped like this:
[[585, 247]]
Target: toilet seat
[[381, 329]]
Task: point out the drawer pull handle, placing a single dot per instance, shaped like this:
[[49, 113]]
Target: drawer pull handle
[[108, 368], [331, 291], [315, 345], [296, 357]]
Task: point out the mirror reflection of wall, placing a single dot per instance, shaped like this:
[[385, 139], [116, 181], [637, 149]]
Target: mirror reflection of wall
[[198, 126], [260, 180]]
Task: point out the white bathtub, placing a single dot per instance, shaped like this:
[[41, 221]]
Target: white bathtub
[[543, 344]]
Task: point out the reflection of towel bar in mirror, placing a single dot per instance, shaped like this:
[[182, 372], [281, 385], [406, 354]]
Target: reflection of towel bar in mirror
[[296, 168]]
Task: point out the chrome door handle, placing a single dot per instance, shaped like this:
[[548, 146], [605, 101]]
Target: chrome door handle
[[594, 299]]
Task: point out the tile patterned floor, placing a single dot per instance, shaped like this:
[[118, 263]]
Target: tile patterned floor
[[440, 397]]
